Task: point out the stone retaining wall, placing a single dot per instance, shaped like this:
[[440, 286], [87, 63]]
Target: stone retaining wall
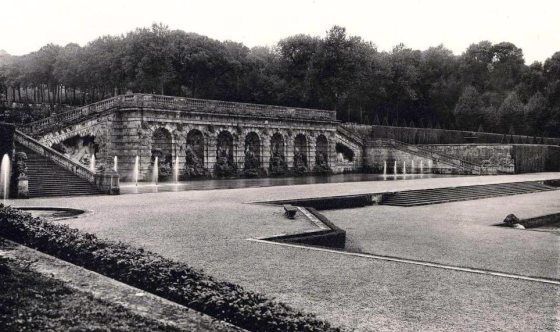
[[378, 157], [507, 158], [443, 136], [495, 156]]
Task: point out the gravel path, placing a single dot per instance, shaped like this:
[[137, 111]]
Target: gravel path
[[208, 229]]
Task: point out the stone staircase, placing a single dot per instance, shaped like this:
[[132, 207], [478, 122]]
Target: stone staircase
[[458, 165], [47, 178], [354, 142], [455, 194], [461, 166]]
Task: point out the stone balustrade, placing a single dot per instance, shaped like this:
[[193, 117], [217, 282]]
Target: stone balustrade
[[180, 104], [57, 157], [107, 182]]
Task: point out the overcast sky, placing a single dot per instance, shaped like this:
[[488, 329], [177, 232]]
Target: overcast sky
[[534, 25]]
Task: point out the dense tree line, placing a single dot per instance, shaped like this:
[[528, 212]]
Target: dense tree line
[[487, 88]]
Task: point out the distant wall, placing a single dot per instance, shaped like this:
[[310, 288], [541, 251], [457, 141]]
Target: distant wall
[[508, 158], [442, 136], [489, 155], [384, 154], [536, 158], [378, 157]]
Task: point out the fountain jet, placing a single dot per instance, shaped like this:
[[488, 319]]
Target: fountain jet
[[176, 169], [155, 175], [136, 170], [115, 161], [92, 163], [5, 176]]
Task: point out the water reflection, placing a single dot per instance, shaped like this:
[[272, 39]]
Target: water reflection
[[131, 188]]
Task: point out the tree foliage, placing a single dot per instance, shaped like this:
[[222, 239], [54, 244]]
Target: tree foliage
[[488, 85]]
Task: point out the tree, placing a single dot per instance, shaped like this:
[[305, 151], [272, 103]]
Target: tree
[[485, 86], [67, 69], [536, 113], [507, 66], [297, 67], [475, 65], [511, 114], [468, 111], [146, 59], [439, 84], [532, 81], [261, 82], [338, 61], [403, 82]]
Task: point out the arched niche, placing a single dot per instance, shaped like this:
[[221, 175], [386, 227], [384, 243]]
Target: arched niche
[[162, 148], [252, 151], [277, 163], [194, 154], [322, 151], [344, 153], [300, 153], [225, 165]]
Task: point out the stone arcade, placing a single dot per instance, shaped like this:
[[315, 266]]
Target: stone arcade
[[200, 137]]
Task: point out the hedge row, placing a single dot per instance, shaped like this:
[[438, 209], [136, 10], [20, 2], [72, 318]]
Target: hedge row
[[153, 273]]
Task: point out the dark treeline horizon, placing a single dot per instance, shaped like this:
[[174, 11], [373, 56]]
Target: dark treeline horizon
[[487, 88]]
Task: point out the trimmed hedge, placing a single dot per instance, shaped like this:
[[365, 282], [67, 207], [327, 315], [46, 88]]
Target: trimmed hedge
[[153, 273]]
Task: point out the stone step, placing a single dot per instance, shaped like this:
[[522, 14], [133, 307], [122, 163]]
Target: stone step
[[470, 190], [59, 185], [47, 179], [64, 191], [450, 199], [469, 193], [453, 194]]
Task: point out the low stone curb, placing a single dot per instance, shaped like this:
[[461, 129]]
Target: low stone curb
[[534, 222], [107, 289], [327, 234]]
